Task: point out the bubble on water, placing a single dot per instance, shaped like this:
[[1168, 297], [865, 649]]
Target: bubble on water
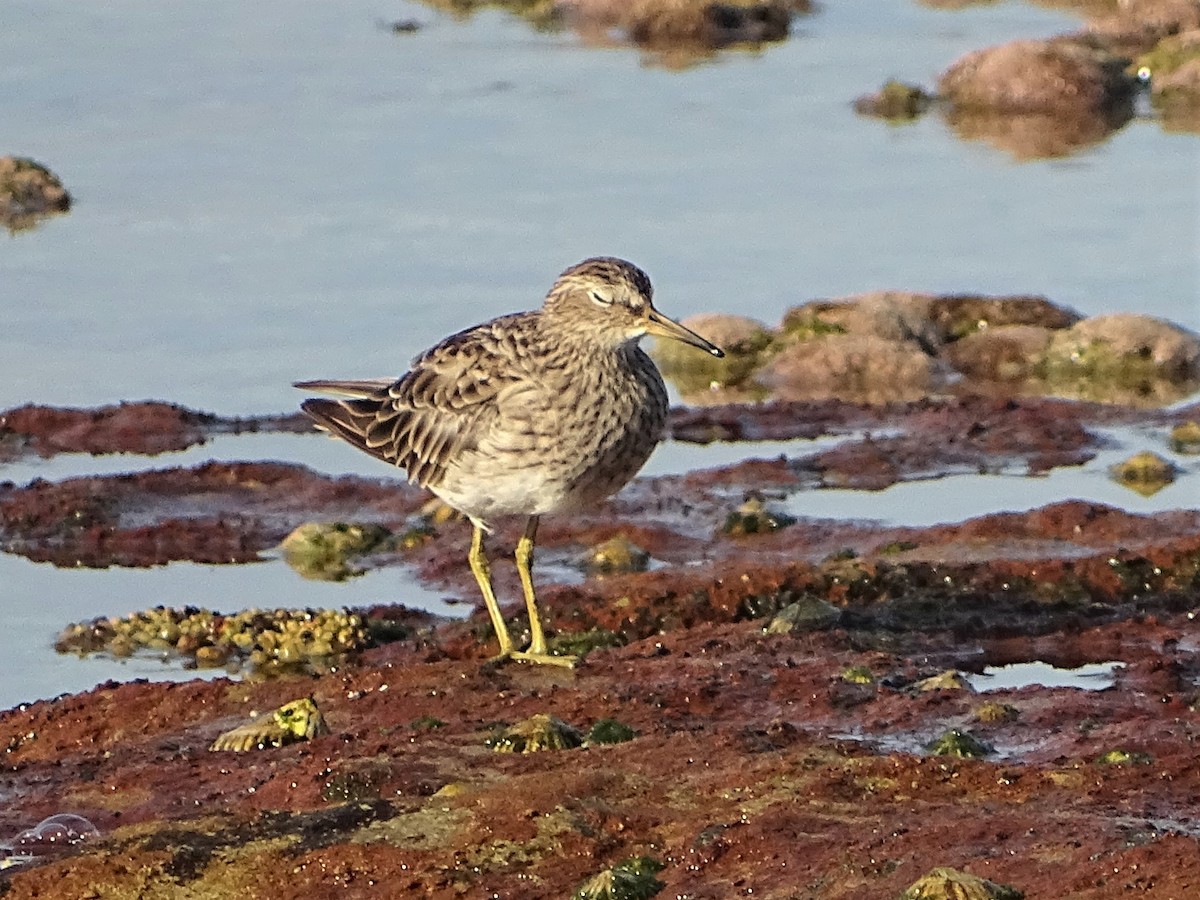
[[59, 830]]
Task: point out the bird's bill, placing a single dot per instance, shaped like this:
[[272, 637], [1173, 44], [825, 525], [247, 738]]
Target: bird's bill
[[660, 326]]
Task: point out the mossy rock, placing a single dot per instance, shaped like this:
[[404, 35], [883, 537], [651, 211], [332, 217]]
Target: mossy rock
[[857, 675], [581, 643], [1185, 438], [806, 614], [1122, 757], [536, 734], [322, 550], [949, 680], [633, 879], [959, 743], [894, 102], [694, 372], [1145, 472], [994, 712], [617, 554], [753, 517], [609, 731]]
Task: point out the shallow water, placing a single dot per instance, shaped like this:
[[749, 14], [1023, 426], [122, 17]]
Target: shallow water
[[283, 190], [1089, 677]]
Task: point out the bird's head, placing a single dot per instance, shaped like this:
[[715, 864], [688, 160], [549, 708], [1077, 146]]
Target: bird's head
[[609, 300]]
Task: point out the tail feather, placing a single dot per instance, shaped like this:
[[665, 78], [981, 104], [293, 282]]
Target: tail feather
[[339, 418], [359, 389]]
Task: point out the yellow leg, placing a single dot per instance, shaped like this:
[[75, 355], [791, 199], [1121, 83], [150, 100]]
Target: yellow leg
[[483, 575], [537, 638]]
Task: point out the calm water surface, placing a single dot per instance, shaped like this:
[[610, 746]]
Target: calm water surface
[[282, 190]]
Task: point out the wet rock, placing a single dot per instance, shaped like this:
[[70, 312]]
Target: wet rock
[[1145, 472], [703, 378], [323, 551], [753, 517], [535, 734], [944, 883], [806, 614], [617, 554], [857, 675], [861, 368], [895, 316], [1123, 357], [1007, 353], [1123, 757], [149, 428], [1185, 438], [633, 879], [1135, 26], [581, 643], [994, 712], [215, 512], [299, 720], [960, 315], [1173, 67], [1057, 76], [609, 731], [958, 743], [895, 101], [1105, 345], [950, 680], [29, 192], [280, 640]]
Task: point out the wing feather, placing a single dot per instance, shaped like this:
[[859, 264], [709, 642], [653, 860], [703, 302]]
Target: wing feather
[[440, 408]]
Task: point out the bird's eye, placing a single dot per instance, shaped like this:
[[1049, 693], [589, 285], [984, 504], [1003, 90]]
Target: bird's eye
[[599, 299]]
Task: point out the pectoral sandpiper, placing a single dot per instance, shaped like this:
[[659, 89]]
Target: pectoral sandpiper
[[532, 413]]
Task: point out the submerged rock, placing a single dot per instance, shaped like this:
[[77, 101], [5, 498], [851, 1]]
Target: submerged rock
[[895, 101]]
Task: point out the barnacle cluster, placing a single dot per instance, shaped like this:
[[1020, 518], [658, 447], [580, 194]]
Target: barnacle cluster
[[262, 640]]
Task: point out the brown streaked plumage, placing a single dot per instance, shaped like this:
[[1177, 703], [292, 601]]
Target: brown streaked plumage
[[531, 413]]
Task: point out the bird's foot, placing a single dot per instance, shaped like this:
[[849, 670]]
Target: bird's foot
[[537, 657], [544, 659]]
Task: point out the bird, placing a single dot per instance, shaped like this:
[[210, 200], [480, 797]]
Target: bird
[[528, 414]]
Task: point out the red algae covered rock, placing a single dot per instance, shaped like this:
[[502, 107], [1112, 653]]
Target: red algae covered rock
[[215, 512], [147, 428]]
